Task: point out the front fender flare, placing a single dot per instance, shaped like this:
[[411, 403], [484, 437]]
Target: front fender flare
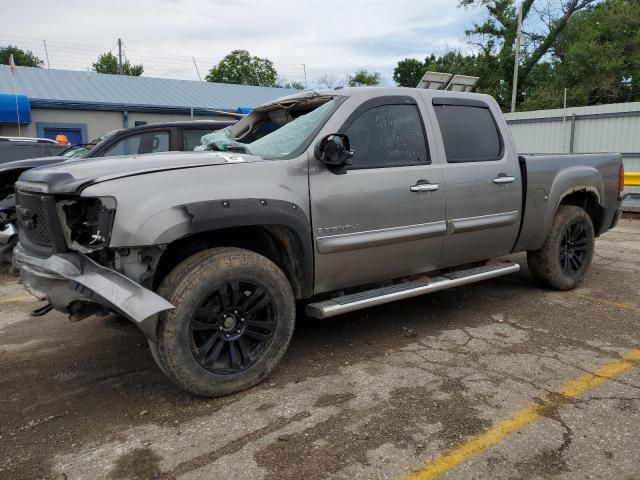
[[214, 215]]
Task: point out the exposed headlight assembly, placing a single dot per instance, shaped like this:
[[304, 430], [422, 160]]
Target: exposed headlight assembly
[[87, 222]]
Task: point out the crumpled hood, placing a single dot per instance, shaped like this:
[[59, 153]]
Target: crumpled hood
[[74, 175]]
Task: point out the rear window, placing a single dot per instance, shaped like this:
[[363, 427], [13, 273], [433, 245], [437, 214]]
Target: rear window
[[470, 133]]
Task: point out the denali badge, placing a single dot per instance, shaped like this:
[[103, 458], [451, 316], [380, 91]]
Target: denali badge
[[338, 229]]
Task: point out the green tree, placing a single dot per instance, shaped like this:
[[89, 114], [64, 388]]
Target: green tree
[[23, 58], [108, 63], [409, 72], [598, 50], [543, 23], [596, 58], [241, 68], [363, 77]]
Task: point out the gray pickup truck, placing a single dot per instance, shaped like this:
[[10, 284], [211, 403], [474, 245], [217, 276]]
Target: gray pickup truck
[[334, 200]]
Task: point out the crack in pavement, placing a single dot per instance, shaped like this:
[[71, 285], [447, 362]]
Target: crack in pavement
[[236, 445]]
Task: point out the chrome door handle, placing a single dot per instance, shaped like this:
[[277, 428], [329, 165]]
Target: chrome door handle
[[504, 179], [424, 187]]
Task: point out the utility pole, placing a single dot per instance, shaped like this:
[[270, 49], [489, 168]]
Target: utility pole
[[514, 92], [564, 121], [119, 56], [46, 52]]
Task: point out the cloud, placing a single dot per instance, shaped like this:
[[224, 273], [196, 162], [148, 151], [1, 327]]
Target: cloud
[[332, 36]]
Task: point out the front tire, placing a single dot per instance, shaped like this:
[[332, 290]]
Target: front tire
[[234, 318], [565, 258]]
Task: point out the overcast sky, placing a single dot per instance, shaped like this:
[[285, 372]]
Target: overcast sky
[[330, 37]]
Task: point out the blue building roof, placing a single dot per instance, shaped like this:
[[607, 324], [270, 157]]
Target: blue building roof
[[98, 91]]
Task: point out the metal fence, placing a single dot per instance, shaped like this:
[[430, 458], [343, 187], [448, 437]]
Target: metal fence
[[594, 129]]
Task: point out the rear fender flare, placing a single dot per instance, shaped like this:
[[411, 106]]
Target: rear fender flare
[[568, 181]]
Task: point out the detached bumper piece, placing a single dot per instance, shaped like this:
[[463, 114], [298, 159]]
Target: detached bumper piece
[[66, 278]]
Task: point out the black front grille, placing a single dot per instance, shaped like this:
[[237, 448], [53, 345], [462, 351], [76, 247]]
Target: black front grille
[[33, 219]]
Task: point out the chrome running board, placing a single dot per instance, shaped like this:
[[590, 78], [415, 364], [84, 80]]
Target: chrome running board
[[380, 296]]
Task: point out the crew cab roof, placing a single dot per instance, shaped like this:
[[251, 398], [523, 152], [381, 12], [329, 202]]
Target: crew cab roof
[[377, 91]]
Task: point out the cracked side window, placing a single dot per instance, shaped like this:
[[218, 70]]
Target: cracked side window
[[388, 136]]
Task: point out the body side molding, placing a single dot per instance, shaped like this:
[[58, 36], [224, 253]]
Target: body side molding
[[374, 238], [470, 224]]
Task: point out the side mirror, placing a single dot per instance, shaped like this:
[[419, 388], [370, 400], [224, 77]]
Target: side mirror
[[334, 151]]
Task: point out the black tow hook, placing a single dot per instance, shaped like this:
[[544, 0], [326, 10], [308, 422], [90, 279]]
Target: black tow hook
[[38, 312]]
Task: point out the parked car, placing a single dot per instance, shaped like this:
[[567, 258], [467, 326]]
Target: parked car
[[157, 137], [340, 199], [19, 148]]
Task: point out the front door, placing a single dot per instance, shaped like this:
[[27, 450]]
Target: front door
[[483, 183], [385, 217]]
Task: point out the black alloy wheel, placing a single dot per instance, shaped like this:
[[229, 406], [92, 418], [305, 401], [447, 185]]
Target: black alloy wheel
[[573, 248], [233, 317], [565, 257], [233, 327]]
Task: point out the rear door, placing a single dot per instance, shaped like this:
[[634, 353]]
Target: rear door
[[483, 181], [384, 217]]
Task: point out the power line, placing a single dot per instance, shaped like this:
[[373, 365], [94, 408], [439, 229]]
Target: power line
[[74, 56]]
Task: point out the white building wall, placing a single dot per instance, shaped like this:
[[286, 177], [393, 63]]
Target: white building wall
[[96, 122]]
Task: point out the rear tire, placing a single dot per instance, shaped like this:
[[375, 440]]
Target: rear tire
[[234, 318], [565, 258]]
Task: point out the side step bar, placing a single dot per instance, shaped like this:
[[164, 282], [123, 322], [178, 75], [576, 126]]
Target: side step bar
[[380, 296]]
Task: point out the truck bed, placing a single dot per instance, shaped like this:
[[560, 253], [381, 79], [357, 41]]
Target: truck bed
[[548, 179]]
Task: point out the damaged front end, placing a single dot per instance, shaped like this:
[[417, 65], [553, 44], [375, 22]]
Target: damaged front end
[[87, 222], [62, 250]]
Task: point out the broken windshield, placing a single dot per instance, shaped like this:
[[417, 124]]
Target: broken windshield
[[274, 134]]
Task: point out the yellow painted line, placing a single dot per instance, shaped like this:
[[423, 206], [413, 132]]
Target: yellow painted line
[[572, 390], [623, 306], [632, 179], [17, 299]]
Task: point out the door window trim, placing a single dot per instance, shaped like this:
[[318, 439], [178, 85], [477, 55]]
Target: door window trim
[[387, 101]]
